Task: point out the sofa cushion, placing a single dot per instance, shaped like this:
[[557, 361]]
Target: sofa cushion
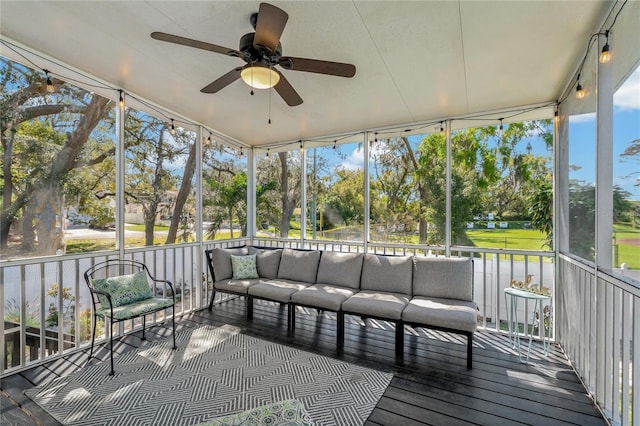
[[376, 304], [277, 290], [299, 265], [323, 296], [235, 286], [221, 258], [244, 267], [449, 313], [124, 289], [387, 273], [267, 261], [341, 269], [443, 277]]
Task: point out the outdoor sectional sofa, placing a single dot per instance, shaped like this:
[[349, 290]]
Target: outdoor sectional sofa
[[419, 291]]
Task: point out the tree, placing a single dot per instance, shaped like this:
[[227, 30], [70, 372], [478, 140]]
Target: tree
[[540, 208], [231, 197], [282, 178], [347, 196]]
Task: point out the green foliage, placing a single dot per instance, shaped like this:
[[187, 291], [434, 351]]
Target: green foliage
[[540, 208], [12, 311]]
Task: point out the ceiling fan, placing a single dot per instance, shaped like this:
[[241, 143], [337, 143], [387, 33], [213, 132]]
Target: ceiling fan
[[262, 51]]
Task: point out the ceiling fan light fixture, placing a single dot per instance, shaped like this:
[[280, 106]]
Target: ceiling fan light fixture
[[259, 76]]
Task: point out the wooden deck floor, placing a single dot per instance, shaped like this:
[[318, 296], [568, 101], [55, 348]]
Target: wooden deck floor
[[431, 384]]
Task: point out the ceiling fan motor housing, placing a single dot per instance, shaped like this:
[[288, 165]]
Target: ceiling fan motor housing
[[253, 54]]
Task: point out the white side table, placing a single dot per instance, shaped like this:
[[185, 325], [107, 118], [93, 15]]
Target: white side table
[[514, 335]]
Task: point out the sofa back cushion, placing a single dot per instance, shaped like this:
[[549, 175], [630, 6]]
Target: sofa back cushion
[[387, 273], [443, 277], [299, 265], [267, 261], [341, 269], [221, 258]]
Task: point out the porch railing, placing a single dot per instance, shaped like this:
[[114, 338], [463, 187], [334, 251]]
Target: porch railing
[[598, 314], [42, 322]]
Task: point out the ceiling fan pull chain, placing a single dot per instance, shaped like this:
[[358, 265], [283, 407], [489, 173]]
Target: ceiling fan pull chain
[[252, 80], [270, 90]]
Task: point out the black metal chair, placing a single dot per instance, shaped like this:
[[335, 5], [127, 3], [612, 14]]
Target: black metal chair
[[125, 289]]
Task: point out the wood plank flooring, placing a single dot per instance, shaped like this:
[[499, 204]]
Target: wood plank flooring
[[431, 384]]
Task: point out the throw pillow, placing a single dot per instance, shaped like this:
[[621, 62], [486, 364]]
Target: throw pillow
[[124, 289], [244, 267]]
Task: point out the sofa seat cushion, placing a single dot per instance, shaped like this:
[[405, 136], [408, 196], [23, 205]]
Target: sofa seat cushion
[[235, 286], [376, 304], [449, 313], [277, 290], [323, 296], [136, 309]]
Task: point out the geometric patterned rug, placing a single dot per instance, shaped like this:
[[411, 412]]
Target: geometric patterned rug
[[214, 372]]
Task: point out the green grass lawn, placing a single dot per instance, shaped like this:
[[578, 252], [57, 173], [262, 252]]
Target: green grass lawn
[[510, 239], [514, 239]]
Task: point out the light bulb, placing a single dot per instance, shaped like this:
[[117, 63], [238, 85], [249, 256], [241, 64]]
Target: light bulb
[[50, 87], [605, 56], [172, 130], [579, 91]]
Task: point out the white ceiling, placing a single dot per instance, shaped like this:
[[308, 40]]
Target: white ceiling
[[416, 61]]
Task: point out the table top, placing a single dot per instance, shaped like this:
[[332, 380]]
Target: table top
[[516, 292]]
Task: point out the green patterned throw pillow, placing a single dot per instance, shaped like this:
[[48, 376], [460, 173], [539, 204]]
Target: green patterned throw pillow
[[124, 289], [244, 267]]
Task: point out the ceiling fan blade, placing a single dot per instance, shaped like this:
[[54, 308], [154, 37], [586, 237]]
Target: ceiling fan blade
[[271, 22], [287, 92], [223, 81], [194, 43], [320, 67]]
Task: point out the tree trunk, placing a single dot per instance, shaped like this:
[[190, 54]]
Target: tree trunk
[[183, 194], [7, 191], [149, 223], [287, 210], [45, 204]]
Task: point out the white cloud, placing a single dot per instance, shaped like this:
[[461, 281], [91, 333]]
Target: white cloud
[[355, 161], [583, 118], [628, 95]]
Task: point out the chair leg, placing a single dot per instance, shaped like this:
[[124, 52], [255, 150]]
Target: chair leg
[[111, 338], [469, 350], [173, 323], [213, 295], [292, 317], [93, 336], [144, 326], [340, 330], [399, 338], [249, 307]]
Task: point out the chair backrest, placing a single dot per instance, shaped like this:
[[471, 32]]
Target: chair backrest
[[115, 274]]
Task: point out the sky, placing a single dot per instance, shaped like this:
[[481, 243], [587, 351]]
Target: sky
[[626, 128]]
